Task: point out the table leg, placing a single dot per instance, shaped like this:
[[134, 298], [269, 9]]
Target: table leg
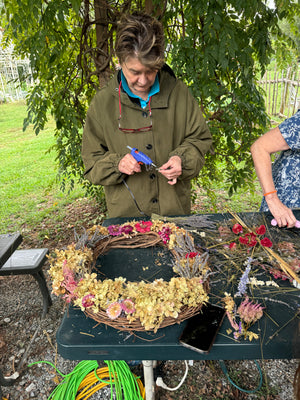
[[4, 381], [47, 302], [149, 379]]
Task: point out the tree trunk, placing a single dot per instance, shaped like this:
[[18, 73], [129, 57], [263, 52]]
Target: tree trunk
[[156, 11], [102, 56]]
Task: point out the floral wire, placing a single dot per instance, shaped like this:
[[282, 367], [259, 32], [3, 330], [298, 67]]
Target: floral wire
[[282, 327]]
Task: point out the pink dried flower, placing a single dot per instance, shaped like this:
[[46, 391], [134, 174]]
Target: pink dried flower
[[224, 231], [88, 300], [165, 233], [128, 306], [231, 320], [250, 312], [114, 230], [114, 310], [69, 282]]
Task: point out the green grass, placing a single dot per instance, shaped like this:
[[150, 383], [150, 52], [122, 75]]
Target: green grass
[[28, 188], [29, 192]]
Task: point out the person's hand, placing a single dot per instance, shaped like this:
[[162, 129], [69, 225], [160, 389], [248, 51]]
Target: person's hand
[[283, 215], [128, 165], [172, 169]]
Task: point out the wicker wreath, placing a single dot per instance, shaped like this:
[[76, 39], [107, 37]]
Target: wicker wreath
[[133, 306]]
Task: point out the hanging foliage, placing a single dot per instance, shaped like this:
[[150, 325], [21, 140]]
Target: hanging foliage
[[220, 48]]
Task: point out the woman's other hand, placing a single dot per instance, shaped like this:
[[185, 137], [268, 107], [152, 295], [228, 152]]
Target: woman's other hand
[[172, 169]]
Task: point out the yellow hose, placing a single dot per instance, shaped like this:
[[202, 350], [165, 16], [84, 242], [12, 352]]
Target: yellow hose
[[91, 384]]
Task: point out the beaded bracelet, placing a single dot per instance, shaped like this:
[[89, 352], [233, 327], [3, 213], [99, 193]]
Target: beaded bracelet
[[273, 191]]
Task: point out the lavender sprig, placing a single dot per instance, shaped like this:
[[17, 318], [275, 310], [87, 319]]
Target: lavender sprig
[[242, 286]]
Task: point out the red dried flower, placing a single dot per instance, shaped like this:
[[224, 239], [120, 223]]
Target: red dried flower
[[249, 239], [143, 226], [232, 246], [237, 228], [243, 240], [266, 242], [192, 254], [126, 229], [261, 230]]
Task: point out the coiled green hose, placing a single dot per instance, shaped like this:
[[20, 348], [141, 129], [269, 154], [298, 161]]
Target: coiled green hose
[[80, 383]]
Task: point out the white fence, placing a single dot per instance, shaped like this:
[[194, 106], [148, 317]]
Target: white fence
[[15, 74], [282, 93]]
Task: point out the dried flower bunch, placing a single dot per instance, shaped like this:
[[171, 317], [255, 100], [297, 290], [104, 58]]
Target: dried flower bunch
[[243, 317], [146, 303], [246, 250]]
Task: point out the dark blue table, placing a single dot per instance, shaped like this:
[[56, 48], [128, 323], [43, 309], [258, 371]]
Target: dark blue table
[[80, 337]]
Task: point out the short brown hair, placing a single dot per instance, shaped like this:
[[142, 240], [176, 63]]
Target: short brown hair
[[142, 36]]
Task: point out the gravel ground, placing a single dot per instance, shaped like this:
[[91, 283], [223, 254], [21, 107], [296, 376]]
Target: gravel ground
[[25, 339]]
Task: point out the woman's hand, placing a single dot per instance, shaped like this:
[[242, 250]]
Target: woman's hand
[[282, 214], [172, 169], [128, 165]]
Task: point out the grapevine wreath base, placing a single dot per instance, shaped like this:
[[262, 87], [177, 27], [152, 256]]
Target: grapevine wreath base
[[132, 306]]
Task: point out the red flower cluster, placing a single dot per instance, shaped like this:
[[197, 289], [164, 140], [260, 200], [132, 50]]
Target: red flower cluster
[[192, 254], [143, 226], [251, 239], [165, 234]]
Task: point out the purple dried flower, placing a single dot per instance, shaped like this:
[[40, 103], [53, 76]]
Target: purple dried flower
[[126, 229], [114, 230], [242, 286]]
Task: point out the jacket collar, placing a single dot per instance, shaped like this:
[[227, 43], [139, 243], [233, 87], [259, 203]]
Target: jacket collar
[[167, 81]]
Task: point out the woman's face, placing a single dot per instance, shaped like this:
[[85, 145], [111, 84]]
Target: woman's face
[[139, 78]]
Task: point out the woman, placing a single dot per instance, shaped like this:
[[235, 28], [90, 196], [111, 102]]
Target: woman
[[144, 106], [280, 183]]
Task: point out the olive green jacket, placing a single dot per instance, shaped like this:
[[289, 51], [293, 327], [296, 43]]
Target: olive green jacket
[[178, 129]]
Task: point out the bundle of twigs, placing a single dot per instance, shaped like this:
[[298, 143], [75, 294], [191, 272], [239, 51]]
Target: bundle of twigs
[[140, 240], [122, 323]]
